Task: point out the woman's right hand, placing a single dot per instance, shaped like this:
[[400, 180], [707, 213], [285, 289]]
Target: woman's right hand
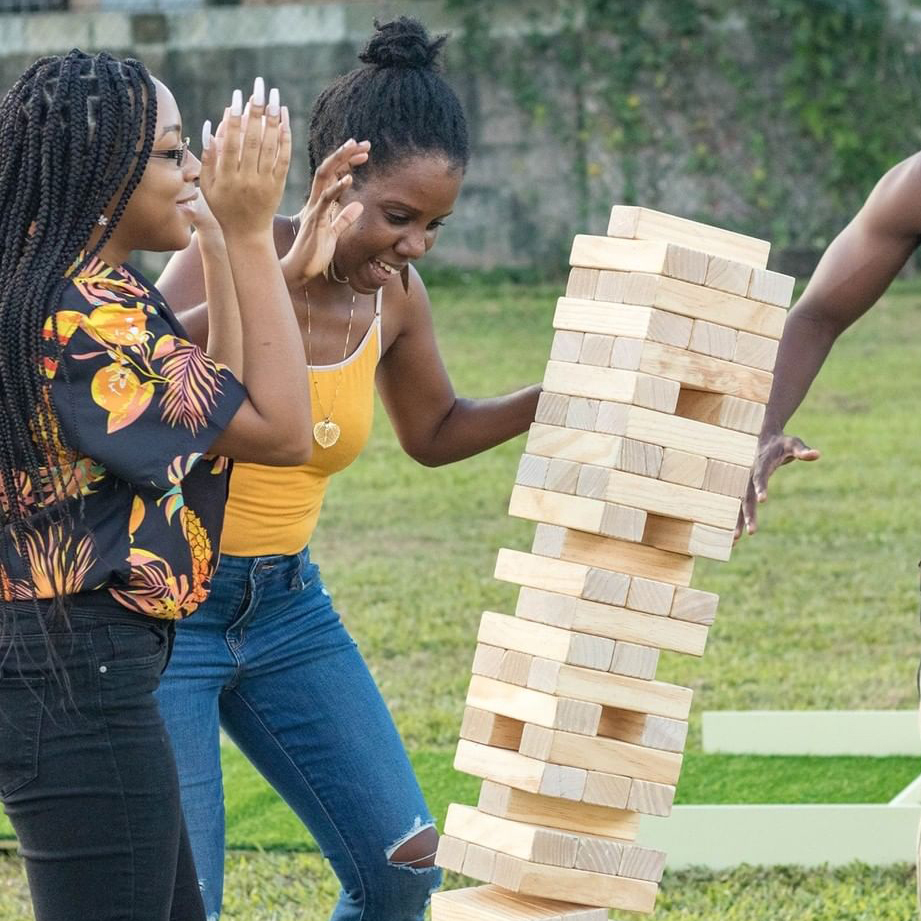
[[774, 450], [243, 173]]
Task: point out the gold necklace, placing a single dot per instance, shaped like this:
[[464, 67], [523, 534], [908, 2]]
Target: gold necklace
[[326, 432]]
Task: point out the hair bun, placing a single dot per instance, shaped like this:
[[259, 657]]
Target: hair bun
[[403, 42]]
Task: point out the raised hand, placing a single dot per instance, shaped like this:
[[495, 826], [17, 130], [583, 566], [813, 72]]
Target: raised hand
[[774, 450], [244, 170], [321, 225]]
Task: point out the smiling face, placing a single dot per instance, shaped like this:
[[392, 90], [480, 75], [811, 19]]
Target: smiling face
[[404, 207], [158, 216]]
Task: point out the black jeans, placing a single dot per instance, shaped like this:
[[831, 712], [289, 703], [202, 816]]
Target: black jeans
[[87, 775]]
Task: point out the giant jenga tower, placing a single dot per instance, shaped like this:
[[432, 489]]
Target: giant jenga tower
[[635, 465]]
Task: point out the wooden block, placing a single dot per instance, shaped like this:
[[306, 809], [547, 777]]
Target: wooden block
[[525, 840], [548, 540], [491, 729], [611, 418], [562, 476], [532, 470], [711, 339], [568, 444], [671, 500], [650, 596], [594, 753], [693, 370], [688, 537], [487, 660], [672, 633], [500, 800], [596, 350], [641, 458], [579, 512], [541, 572], [642, 863], [683, 468], [756, 351], [771, 287], [612, 286], [516, 666], [619, 521], [642, 729], [606, 586], [573, 885], [552, 408], [490, 903], [548, 642], [646, 224], [720, 410], [651, 798], [632, 559], [695, 301], [582, 283], [593, 481], [694, 606], [533, 707], [582, 414], [634, 660], [515, 770], [566, 346], [727, 479], [624, 386], [627, 353], [603, 789], [450, 854], [726, 275], [479, 862], [618, 691], [638, 256], [604, 318], [599, 855], [689, 435]]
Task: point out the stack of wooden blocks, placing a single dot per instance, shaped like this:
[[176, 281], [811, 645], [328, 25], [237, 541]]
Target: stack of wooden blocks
[[636, 464]]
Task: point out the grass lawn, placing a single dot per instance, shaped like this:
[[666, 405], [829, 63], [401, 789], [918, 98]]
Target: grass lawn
[[818, 611]]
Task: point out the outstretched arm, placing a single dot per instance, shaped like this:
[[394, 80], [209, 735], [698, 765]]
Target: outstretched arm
[[853, 273], [434, 425]]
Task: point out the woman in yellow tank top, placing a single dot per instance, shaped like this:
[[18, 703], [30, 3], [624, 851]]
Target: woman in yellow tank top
[[267, 657]]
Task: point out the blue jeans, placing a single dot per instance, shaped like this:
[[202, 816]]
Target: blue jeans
[[268, 658], [87, 776]]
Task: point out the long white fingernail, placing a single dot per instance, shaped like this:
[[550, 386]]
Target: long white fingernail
[[236, 103], [206, 135], [274, 102], [258, 92]]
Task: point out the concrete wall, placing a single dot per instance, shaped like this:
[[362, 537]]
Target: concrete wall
[[513, 209]]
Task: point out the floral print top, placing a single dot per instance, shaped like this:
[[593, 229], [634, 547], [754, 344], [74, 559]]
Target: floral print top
[[138, 407]]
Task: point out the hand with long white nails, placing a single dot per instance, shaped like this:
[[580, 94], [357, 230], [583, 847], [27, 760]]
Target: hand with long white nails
[[319, 229], [243, 174]]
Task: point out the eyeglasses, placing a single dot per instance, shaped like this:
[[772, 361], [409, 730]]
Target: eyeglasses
[[176, 153]]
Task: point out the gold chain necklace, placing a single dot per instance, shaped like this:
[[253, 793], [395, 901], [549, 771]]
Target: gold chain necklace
[[326, 432]]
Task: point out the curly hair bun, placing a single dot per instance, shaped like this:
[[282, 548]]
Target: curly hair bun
[[403, 42]]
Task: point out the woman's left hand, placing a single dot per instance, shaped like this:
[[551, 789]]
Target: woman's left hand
[[320, 228]]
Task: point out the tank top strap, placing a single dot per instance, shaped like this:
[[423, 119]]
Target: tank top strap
[[378, 305]]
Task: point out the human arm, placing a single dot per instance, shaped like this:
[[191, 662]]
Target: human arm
[[433, 424], [853, 273]]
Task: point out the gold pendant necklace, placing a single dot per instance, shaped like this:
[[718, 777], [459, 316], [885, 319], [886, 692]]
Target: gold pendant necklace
[[326, 432]]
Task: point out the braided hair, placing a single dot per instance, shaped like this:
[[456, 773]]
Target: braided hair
[[75, 136], [399, 101]]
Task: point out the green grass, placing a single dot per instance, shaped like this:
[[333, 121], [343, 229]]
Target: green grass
[[818, 611]]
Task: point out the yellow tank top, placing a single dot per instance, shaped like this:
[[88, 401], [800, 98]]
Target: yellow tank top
[[274, 510]]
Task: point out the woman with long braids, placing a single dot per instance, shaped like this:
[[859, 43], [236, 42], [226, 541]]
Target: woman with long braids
[[268, 657], [114, 434]]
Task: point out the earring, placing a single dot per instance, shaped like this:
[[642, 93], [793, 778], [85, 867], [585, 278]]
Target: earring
[[332, 274]]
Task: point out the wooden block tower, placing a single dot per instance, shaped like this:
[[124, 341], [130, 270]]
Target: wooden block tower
[[635, 465]]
